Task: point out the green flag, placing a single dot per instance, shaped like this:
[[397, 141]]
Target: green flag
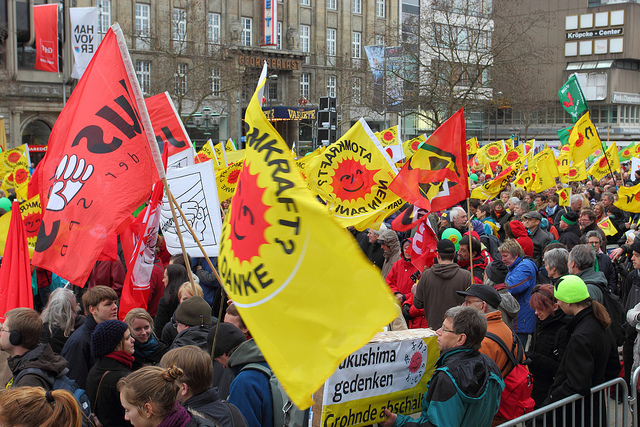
[[563, 134], [626, 153], [572, 98]]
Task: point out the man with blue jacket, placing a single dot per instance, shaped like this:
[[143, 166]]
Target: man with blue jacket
[[466, 385], [520, 281]]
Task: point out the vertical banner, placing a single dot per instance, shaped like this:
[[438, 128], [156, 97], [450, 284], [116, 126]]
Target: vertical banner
[[269, 23], [3, 136], [45, 22], [394, 82], [84, 37], [375, 56]]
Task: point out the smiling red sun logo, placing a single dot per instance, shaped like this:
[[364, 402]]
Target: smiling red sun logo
[[352, 180], [416, 362], [603, 162], [32, 224], [14, 157], [580, 140], [388, 136], [573, 172], [247, 221], [233, 176], [493, 151], [416, 144], [637, 196], [512, 156]]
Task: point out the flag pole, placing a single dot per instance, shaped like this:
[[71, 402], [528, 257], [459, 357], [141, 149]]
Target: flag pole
[[470, 246], [175, 222]]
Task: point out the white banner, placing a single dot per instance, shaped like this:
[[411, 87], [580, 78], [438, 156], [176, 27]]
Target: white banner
[[195, 190], [182, 159], [84, 37]]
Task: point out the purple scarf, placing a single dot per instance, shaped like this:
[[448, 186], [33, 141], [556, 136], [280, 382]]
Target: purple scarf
[[177, 417]]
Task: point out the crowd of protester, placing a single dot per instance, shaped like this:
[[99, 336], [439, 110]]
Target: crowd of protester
[[522, 268]]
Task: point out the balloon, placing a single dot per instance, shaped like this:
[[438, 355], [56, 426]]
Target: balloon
[[453, 235], [5, 204], [474, 177]]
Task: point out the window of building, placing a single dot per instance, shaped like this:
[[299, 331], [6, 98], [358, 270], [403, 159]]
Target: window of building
[[213, 28], [143, 26], [305, 2], [356, 45], [104, 20], [279, 45], [215, 82], [180, 79], [143, 72], [380, 40], [246, 31], [331, 41], [331, 86], [356, 6], [380, 8], [305, 78], [179, 28], [332, 4], [356, 90], [305, 40], [272, 93]]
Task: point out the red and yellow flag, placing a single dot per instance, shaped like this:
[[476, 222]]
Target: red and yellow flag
[[608, 163], [270, 245], [227, 180], [629, 199], [491, 152], [584, 139], [514, 154], [564, 196], [31, 217], [390, 136], [607, 227], [472, 146], [411, 146]]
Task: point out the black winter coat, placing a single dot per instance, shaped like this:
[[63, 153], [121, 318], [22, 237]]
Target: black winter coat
[[163, 316], [590, 349], [548, 344], [56, 339], [209, 405], [77, 351], [107, 407], [571, 236]]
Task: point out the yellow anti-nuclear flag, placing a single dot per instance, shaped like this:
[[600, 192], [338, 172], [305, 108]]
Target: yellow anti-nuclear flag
[[235, 156], [508, 144], [352, 176], [523, 180], [608, 163], [303, 162], [564, 196], [221, 154], [584, 139], [14, 168], [491, 152], [207, 153], [544, 171], [270, 245], [227, 180], [607, 227], [31, 217], [472, 146], [577, 172], [629, 199], [231, 146], [23, 191], [495, 186], [410, 146], [514, 154], [390, 136]]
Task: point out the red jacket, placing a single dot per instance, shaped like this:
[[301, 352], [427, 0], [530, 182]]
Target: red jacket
[[399, 278], [417, 320], [522, 237]]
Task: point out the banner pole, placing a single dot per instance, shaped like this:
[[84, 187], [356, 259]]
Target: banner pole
[[470, 246], [175, 222]]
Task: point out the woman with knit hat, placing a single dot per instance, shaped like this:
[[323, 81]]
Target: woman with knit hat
[[112, 347], [591, 357], [148, 397]]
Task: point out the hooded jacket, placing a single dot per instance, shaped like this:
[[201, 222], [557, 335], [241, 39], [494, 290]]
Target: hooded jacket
[[522, 237], [463, 391], [250, 389], [570, 236], [208, 403], [595, 282], [399, 278], [393, 253], [520, 281], [436, 291], [41, 357]]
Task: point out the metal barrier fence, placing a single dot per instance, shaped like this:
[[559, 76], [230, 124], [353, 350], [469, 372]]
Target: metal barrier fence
[[603, 408]]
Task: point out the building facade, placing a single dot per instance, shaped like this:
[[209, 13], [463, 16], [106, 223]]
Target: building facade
[[208, 54]]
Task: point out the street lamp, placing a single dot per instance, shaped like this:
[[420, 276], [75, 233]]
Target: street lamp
[[206, 121]]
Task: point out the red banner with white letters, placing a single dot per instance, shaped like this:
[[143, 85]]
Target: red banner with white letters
[[101, 164], [45, 22]]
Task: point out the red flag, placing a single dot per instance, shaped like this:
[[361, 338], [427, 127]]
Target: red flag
[[408, 219], [424, 246], [100, 165], [166, 124], [435, 177], [15, 272], [141, 236], [45, 21]]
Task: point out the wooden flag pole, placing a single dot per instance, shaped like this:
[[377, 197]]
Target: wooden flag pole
[[470, 251], [175, 222]]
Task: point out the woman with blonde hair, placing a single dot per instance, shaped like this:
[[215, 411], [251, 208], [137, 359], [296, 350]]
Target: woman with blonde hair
[[33, 407], [148, 397], [148, 348]]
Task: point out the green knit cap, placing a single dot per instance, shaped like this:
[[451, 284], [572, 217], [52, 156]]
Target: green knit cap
[[571, 289]]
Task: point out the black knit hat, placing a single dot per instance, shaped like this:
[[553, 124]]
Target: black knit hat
[[497, 271], [228, 337], [106, 337], [194, 311]]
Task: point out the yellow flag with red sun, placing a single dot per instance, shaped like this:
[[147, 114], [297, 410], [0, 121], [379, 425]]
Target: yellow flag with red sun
[[410, 146], [208, 153], [352, 176], [608, 163], [14, 168], [227, 180], [390, 136], [564, 196], [303, 162], [607, 227], [584, 139], [491, 152], [270, 245], [472, 146], [31, 217]]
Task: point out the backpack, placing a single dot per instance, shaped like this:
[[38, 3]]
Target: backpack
[[492, 243], [616, 312], [515, 399], [61, 382], [288, 415]]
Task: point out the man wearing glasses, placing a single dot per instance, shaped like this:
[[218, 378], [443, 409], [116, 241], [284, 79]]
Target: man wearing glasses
[[466, 385]]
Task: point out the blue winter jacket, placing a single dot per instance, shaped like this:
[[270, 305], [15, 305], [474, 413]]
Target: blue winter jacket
[[463, 391], [520, 282]]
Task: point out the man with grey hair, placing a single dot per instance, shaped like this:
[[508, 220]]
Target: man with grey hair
[[520, 208], [575, 204], [466, 385], [539, 237], [595, 239], [556, 263], [582, 258]]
